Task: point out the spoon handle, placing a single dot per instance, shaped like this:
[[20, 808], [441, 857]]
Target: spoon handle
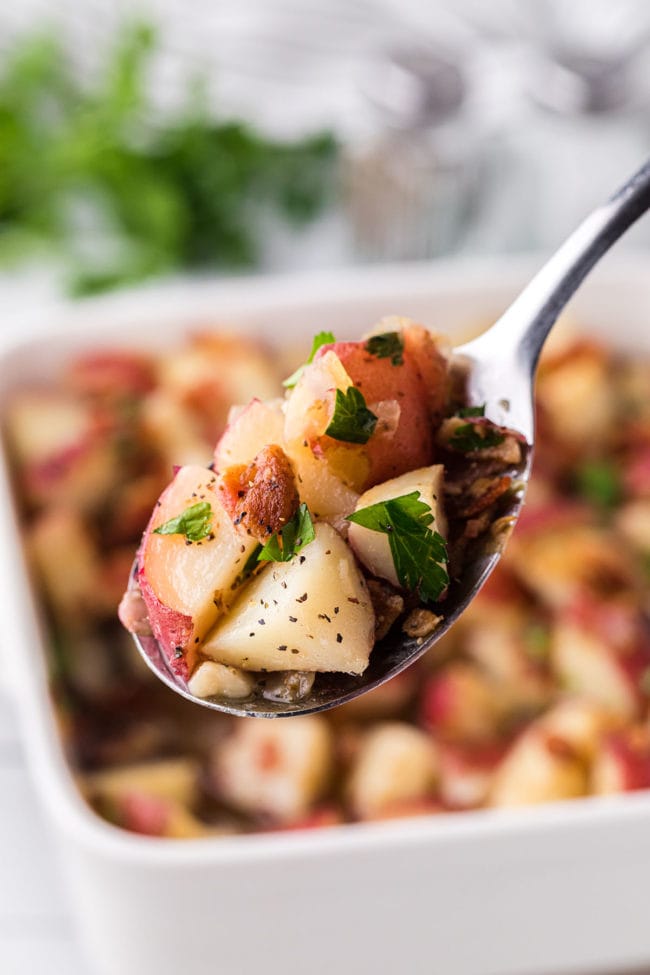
[[525, 325]]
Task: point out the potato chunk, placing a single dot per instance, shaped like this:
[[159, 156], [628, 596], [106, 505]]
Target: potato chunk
[[312, 613], [396, 764], [372, 547], [277, 768]]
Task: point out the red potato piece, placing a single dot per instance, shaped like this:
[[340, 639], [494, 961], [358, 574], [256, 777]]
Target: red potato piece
[[111, 374], [600, 651], [380, 380], [466, 773], [396, 765], [186, 585], [623, 763], [256, 426], [279, 769], [261, 497], [64, 454], [461, 704]]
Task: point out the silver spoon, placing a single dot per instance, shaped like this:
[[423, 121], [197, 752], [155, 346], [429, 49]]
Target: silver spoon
[[502, 364]]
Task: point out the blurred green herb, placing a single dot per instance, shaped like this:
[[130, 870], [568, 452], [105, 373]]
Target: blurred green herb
[[120, 191], [321, 339], [599, 482]]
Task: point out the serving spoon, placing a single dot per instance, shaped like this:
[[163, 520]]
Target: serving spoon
[[501, 370]]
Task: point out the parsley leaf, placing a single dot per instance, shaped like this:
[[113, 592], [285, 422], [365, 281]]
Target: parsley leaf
[[417, 550], [472, 436], [387, 345], [194, 523], [352, 421], [471, 411], [296, 534], [323, 338], [599, 483]]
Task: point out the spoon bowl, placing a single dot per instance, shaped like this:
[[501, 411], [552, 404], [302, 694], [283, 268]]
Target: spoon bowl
[[501, 365]]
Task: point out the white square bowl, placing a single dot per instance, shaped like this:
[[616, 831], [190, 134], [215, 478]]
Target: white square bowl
[[555, 888]]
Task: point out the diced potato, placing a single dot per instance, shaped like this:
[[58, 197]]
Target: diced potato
[[67, 563], [173, 778], [311, 613], [258, 425], [396, 764], [538, 768], [187, 584], [587, 664], [213, 679], [275, 768], [372, 547], [461, 703]]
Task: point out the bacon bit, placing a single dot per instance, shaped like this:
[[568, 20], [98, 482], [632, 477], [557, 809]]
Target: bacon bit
[[264, 493], [487, 493]]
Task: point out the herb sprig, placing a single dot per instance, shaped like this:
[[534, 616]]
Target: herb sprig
[[387, 345], [473, 436], [352, 421], [195, 523], [157, 189], [419, 553], [291, 539], [321, 339]]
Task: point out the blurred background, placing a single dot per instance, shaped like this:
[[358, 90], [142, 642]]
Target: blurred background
[[139, 140]]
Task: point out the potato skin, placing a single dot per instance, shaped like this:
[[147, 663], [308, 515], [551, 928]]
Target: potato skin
[[262, 496], [378, 380]]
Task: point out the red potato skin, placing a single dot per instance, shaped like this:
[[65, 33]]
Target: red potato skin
[[144, 814], [378, 379], [112, 374], [172, 630], [631, 751]]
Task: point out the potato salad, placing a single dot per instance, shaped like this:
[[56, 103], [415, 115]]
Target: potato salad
[[320, 522], [539, 693]]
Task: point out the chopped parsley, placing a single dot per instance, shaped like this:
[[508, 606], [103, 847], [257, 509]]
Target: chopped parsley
[[471, 411], [598, 482], [352, 421], [296, 534], [419, 553], [471, 436], [195, 523], [387, 345], [323, 338]]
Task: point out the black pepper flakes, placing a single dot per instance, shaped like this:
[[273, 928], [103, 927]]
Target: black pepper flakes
[[339, 638], [293, 619], [302, 599], [262, 622]]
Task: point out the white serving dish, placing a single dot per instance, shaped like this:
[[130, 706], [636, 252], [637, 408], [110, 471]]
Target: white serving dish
[[559, 888]]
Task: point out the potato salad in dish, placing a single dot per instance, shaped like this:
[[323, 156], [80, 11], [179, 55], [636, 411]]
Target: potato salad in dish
[[539, 693], [328, 515]]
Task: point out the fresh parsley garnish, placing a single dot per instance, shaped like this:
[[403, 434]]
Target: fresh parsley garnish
[[352, 421], [387, 345], [471, 436], [471, 411], [195, 523], [419, 553], [296, 534], [599, 483], [323, 338]]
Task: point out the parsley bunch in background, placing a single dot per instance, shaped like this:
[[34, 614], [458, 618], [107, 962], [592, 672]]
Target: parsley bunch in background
[[95, 175]]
